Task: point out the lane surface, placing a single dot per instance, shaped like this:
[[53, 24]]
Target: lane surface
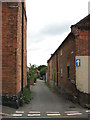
[[46, 102]]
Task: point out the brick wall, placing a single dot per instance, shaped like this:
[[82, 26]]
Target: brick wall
[[9, 40], [66, 56], [19, 48], [12, 48], [0, 48], [67, 59], [81, 31], [25, 50], [63, 60], [81, 41]]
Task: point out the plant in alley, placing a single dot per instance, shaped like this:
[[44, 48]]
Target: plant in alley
[[47, 84], [26, 95], [31, 75]]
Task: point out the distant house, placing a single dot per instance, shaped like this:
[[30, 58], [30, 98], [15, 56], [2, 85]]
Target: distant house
[[14, 54], [68, 66]]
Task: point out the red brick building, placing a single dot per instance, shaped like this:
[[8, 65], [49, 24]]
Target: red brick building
[[14, 54], [68, 66]]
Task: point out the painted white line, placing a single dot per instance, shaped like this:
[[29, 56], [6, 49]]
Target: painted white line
[[53, 114], [19, 111], [1, 113], [87, 111], [16, 115], [4, 114], [32, 115], [74, 114], [34, 112]]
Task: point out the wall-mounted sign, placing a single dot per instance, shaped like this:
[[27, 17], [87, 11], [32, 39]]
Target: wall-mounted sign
[[78, 62]]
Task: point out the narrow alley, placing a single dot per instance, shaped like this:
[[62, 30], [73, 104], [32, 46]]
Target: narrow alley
[[46, 103], [48, 40]]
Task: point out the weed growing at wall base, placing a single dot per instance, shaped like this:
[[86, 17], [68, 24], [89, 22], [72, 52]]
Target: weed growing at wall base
[[47, 84], [26, 95]]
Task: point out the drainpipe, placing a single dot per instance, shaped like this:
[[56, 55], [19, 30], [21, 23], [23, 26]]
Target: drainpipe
[[22, 47]]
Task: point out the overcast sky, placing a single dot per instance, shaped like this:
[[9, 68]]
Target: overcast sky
[[48, 24]]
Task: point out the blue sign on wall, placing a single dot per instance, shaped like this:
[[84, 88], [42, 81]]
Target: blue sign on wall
[[78, 62]]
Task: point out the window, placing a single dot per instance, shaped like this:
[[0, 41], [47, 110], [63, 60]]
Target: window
[[68, 71]]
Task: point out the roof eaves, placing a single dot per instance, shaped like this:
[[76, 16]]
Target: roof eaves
[[60, 45]]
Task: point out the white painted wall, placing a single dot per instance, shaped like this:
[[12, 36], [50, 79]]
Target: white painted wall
[[83, 75]]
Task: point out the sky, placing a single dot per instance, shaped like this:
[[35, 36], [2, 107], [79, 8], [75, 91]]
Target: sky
[[48, 24]]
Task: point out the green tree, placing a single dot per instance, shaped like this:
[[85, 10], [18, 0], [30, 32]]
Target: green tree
[[42, 69], [32, 74]]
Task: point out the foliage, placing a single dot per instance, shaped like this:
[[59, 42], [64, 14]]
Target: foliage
[[42, 69], [33, 70], [47, 84], [35, 77], [41, 66], [26, 95], [34, 74], [28, 81], [31, 74]]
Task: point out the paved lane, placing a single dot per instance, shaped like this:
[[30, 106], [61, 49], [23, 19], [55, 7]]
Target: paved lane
[[46, 100], [48, 103]]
